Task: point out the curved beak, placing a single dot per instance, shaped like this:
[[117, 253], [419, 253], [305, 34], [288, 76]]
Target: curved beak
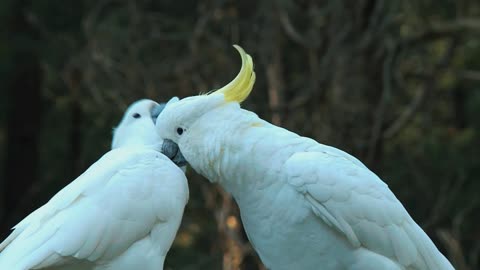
[[156, 110], [171, 150]]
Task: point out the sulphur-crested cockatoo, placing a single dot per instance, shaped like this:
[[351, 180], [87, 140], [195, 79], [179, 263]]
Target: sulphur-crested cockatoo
[[122, 213], [304, 205]]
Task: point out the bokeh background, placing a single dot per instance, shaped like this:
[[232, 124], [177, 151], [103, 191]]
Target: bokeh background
[[396, 83]]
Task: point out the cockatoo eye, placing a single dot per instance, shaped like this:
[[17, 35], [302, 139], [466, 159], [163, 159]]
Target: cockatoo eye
[[180, 131], [136, 115]]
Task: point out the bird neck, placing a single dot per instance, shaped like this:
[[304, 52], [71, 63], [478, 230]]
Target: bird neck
[[238, 150]]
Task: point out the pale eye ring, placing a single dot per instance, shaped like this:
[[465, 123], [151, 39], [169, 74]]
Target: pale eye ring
[[136, 115], [180, 131]]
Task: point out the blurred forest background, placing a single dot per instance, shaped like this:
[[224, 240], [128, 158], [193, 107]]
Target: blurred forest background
[[396, 83]]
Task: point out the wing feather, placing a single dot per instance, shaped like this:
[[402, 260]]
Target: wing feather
[[83, 220], [354, 201]]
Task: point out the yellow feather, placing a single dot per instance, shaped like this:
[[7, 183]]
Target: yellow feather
[[240, 87]]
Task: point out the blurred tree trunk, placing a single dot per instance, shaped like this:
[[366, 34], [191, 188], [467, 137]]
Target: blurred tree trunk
[[23, 114], [73, 77], [459, 100]]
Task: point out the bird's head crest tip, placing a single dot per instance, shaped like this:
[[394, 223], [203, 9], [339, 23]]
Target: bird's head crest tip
[[241, 86]]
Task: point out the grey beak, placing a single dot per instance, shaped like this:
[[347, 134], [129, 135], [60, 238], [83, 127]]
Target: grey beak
[[171, 150], [156, 111]]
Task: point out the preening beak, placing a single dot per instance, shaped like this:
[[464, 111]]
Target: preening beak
[[171, 150], [156, 110]]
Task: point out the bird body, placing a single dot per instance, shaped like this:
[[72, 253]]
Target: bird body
[[123, 212], [304, 205]]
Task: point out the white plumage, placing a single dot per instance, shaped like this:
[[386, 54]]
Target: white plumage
[[304, 205], [122, 213]]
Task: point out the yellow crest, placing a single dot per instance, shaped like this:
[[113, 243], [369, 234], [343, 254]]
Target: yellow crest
[[240, 87]]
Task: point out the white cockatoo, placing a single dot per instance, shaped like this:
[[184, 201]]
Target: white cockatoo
[[122, 213], [304, 205]]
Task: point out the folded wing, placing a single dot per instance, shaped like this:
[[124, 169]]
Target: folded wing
[[84, 221], [361, 207]]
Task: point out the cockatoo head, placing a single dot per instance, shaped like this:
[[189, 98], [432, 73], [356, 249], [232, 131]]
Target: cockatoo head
[[179, 118], [137, 127]]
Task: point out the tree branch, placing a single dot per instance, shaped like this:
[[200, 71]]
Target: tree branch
[[473, 75], [430, 84]]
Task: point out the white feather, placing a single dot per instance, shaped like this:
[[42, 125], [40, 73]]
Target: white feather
[[121, 213], [303, 205]]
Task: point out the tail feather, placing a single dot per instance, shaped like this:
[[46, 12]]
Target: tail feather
[[430, 256], [19, 247]]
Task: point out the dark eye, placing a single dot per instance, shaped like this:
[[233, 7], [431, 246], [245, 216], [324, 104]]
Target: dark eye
[[136, 115], [179, 131]]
